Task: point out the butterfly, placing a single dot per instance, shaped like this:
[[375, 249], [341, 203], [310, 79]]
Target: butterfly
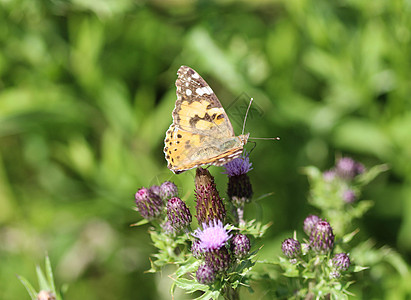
[[201, 133]]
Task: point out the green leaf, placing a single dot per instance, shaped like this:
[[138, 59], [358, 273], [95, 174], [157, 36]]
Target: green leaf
[[359, 269], [43, 284], [32, 292], [191, 285], [49, 274], [209, 295], [189, 266], [139, 223], [349, 236], [371, 174]]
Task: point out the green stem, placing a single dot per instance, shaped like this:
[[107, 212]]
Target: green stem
[[230, 294]]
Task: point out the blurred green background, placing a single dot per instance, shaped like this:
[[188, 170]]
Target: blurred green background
[[86, 94]]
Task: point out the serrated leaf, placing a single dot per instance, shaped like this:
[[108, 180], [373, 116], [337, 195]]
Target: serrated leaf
[[209, 295], [190, 266], [32, 292], [190, 285]]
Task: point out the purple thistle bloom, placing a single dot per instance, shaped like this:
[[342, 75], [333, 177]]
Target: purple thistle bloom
[[149, 205], [218, 259], [349, 196], [309, 223], [240, 245], [239, 166], [205, 274], [168, 190], [239, 188], [329, 175], [213, 235], [341, 262], [291, 248], [347, 168], [359, 168], [178, 213], [322, 237]]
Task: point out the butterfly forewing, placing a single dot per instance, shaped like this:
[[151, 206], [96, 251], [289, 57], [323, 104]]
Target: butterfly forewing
[[201, 132]]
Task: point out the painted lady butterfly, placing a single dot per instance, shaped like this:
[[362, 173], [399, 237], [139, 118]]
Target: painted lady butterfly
[[201, 133]]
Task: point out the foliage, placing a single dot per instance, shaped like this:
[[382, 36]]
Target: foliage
[[86, 94], [47, 287]]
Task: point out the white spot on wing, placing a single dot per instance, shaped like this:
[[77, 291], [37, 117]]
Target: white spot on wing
[[204, 90], [188, 92], [196, 76]]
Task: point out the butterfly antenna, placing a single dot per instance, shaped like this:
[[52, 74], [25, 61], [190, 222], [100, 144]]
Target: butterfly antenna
[[246, 114], [257, 138]]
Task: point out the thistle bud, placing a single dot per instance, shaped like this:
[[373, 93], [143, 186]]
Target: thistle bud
[[322, 237], [349, 196], [341, 262], [178, 213], [291, 248], [155, 189], [309, 223], [218, 259], [149, 205], [240, 245], [168, 190], [46, 295], [209, 205], [205, 274]]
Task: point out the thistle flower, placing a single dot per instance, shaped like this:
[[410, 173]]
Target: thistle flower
[[309, 223], [218, 259], [291, 248], [347, 168], [205, 274], [149, 205], [341, 262], [213, 235], [178, 213], [322, 237], [240, 245], [168, 190], [349, 196], [239, 186], [329, 175], [209, 204]]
